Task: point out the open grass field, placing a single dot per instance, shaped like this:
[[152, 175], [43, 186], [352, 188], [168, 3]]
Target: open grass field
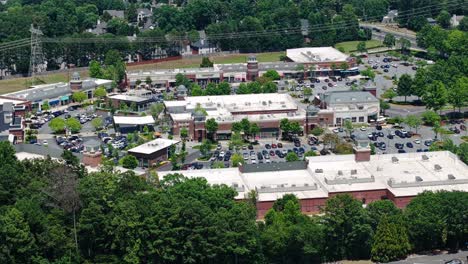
[[351, 46], [12, 85]]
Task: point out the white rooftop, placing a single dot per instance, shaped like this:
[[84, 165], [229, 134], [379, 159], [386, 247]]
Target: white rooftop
[[125, 97], [316, 54], [153, 146], [405, 174], [133, 120]]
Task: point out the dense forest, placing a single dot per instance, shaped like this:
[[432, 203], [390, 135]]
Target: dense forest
[[55, 212], [245, 25]]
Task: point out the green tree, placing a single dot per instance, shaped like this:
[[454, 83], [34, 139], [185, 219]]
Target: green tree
[[148, 80], [269, 87], [224, 88], [435, 96], [97, 123], [272, 75], [205, 148], [73, 125], [45, 106], [285, 126], [184, 133], [347, 230], [206, 63], [57, 125], [218, 165], [384, 106], [361, 47], [254, 129], [237, 159], [79, 97], [458, 94], [413, 121], [405, 45], [404, 87], [369, 73], [243, 89], [310, 153], [100, 92], [348, 125], [390, 241], [95, 70], [430, 118], [197, 91], [129, 162], [211, 127], [389, 94], [317, 131], [378, 209], [18, 243], [291, 156], [156, 109], [389, 41], [443, 19]]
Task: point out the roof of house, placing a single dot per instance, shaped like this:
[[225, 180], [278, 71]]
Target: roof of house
[[344, 97], [144, 11], [315, 54], [133, 120], [153, 146], [115, 13]]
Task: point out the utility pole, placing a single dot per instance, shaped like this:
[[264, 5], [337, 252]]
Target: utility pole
[[37, 57]]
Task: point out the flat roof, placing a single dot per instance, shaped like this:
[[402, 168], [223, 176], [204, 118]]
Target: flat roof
[[134, 120], [405, 174], [130, 98], [316, 54], [153, 146]]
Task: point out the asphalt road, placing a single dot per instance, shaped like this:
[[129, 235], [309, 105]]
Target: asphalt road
[[434, 259]]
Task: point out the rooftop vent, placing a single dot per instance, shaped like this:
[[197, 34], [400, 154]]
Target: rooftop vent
[[394, 159], [425, 157], [318, 170], [353, 172], [340, 173], [418, 179], [437, 167], [451, 177]]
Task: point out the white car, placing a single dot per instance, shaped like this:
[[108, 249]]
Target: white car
[[221, 154], [417, 141], [44, 142], [336, 130], [363, 128]]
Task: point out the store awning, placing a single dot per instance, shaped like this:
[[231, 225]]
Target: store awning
[[65, 98], [54, 102]]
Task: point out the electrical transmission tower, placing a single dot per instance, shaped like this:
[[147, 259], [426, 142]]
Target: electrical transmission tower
[[37, 57]]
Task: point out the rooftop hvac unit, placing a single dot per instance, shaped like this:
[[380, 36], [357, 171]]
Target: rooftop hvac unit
[[353, 172], [293, 185], [418, 179], [451, 177], [306, 184], [437, 167], [318, 170], [235, 185], [340, 173]]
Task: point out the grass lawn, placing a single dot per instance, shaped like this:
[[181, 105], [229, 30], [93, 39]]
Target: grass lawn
[[351, 46], [13, 85]]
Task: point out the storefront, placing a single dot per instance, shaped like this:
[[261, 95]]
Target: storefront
[[64, 100]]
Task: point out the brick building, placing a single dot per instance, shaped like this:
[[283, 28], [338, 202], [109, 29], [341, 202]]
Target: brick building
[[396, 177]]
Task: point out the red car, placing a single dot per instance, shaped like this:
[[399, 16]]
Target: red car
[[274, 145], [272, 153]]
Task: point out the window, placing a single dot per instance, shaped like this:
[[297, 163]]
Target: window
[[338, 121], [353, 119], [361, 119]]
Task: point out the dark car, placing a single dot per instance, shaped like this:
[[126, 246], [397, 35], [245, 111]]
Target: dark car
[[317, 80], [280, 145], [398, 146], [264, 152], [324, 87], [267, 146], [414, 68], [409, 145], [259, 156], [427, 143], [385, 70], [380, 134], [324, 152], [330, 84], [274, 145], [327, 80], [389, 136], [250, 147], [378, 127], [401, 151], [272, 153]]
